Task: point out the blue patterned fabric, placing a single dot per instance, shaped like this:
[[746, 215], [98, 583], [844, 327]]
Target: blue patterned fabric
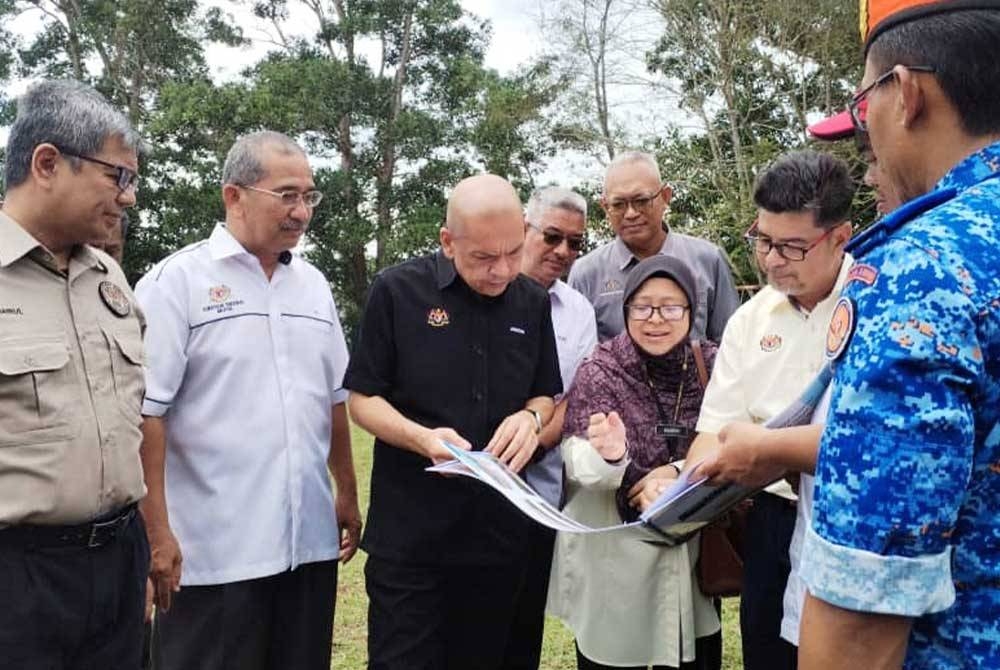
[[907, 507]]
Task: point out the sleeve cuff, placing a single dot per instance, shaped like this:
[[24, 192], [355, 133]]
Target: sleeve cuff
[[586, 467], [152, 407], [339, 396], [863, 581]]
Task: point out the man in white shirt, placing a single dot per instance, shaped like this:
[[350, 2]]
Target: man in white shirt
[[772, 348], [555, 222], [244, 420]]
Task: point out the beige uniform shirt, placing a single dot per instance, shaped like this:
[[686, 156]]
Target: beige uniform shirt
[[769, 354], [71, 384]]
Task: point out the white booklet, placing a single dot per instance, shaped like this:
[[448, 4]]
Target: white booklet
[[684, 507]]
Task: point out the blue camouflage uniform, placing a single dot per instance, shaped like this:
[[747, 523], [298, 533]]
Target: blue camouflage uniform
[[907, 499]]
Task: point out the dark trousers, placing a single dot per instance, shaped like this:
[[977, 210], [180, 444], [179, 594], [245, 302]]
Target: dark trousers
[[707, 650], [525, 649], [442, 617], [280, 622], [770, 524], [74, 608]]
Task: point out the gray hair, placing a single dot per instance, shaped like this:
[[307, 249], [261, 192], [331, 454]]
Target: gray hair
[[631, 157], [67, 114], [244, 164], [555, 197]]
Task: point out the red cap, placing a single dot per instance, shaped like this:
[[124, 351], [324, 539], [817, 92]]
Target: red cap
[[836, 127], [877, 16]]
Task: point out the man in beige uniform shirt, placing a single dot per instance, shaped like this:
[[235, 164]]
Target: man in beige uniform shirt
[[73, 551]]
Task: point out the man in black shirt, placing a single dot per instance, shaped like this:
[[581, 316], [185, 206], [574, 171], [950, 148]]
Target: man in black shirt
[[453, 346]]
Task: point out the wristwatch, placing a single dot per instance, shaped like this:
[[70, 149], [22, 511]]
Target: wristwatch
[[538, 418]]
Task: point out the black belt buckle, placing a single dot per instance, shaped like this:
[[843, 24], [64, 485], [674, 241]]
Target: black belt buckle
[[103, 532]]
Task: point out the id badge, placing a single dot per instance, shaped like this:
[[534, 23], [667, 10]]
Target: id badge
[[672, 430]]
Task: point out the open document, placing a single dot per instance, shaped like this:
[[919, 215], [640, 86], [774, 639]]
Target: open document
[[685, 507]]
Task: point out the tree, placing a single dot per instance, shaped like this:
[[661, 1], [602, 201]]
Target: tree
[[389, 129]]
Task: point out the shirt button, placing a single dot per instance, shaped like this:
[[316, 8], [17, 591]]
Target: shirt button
[[477, 396], [477, 350], [29, 360]]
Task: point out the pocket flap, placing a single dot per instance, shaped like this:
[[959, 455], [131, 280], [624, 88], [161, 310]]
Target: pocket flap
[[130, 346], [22, 358]]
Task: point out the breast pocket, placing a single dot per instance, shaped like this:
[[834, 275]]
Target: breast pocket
[[126, 367], [520, 359], [37, 387]]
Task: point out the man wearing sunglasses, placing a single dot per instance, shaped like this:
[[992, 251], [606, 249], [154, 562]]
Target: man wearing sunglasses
[[244, 422], [901, 559], [555, 224], [635, 200], [73, 552]]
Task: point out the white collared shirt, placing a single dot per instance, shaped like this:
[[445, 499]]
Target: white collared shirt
[[245, 372], [770, 352], [575, 327]]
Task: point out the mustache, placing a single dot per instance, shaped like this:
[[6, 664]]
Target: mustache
[[290, 225]]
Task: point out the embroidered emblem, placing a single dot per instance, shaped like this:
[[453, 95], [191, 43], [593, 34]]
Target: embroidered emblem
[[861, 272], [770, 342], [841, 329], [219, 293], [612, 285], [11, 311], [437, 317], [114, 299]]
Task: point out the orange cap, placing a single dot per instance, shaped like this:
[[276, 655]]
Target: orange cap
[[879, 15]]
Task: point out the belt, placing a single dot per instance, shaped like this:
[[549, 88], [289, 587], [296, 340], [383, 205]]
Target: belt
[[90, 535]]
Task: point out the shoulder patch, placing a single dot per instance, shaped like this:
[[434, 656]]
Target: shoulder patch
[[862, 273], [841, 328]]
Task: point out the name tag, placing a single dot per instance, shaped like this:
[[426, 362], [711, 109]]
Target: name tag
[[672, 430]]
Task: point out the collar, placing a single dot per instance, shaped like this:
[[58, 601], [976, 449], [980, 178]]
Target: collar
[[776, 300], [558, 290], [15, 241], [624, 256], [444, 268], [222, 244], [973, 170]]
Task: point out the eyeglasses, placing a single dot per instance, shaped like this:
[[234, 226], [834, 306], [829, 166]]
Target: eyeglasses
[[291, 198], [858, 106], [666, 312], [790, 252], [640, 203], [554, 238], [125, 178]]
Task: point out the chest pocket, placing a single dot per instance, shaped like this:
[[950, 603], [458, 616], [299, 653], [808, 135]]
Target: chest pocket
[[126, 366], [37, 388]]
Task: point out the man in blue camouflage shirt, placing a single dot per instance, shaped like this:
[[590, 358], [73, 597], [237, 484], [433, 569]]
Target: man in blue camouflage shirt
[[903, 559]]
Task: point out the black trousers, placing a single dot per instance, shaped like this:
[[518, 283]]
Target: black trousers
[[525, 649], [766, 565], [280, 622], [74, 608], [443, 617]]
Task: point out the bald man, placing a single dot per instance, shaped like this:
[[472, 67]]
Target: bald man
[[453, 346]]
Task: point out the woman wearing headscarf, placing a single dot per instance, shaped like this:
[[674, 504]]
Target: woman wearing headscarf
[[632, 410]]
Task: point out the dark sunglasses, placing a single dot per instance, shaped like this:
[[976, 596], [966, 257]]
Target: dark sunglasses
[[554, 238]]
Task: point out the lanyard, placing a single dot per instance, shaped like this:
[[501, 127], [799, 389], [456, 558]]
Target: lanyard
[[661, 410]]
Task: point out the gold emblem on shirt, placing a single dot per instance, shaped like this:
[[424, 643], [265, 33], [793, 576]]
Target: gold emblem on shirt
[[437, 317], [219, 293], [770, 342]]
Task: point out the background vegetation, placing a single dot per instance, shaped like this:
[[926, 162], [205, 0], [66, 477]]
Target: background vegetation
[[394, 102]]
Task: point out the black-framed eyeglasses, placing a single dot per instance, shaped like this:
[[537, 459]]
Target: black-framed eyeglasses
[[640, 203], [790, 252], [310, 199], [554, 238], [125, 178], [666, 312], [858, 106]]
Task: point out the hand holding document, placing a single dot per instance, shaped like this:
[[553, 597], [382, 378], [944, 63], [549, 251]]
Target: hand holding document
[[685, 507]]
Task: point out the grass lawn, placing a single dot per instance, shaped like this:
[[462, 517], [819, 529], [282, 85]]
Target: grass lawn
[[350, 628]]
